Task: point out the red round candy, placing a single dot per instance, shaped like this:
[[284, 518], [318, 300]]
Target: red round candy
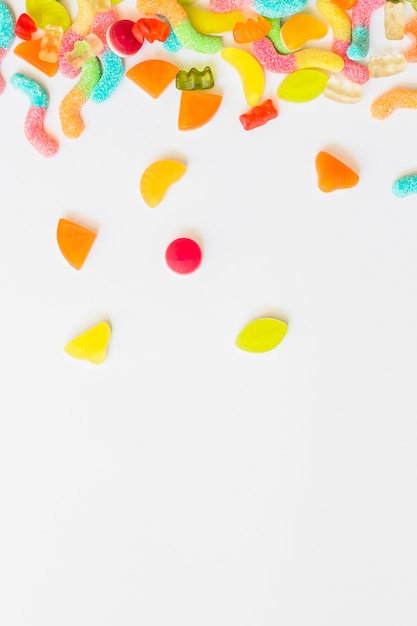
[[183, 255], [121, 40]]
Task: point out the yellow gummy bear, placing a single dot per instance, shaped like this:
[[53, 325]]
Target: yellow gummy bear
[[91, 345]]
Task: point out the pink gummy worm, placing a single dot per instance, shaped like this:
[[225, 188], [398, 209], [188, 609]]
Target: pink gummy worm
[[102, 23], [352, 70], [263, 50], [3, 52], [35, 132], [68, 41], [225, 6], [362, 11]]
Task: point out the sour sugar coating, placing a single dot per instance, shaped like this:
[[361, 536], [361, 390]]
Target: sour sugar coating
[[78, 30], [34, 128], [394, 99], [7, 35], [272, 61], [405, 186], [341, 27], [70, 108], [266, 8], [361, 16], [274, 35], [112, 68], [181, 25], [410, 29]]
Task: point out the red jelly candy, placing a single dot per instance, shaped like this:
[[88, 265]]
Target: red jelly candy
[[259, 115], [151, 29], [183, 255], [25, 27], [121, 40]]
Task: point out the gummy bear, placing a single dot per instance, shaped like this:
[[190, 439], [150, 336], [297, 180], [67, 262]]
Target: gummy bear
[[259, 115], [194, 79], [51, 43], [87, 48], [394, 19]]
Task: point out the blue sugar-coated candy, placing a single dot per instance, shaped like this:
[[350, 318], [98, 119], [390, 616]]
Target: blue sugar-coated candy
[[359, 47], [405, 186], [278, 8], [37, 94], [7, 23], [112, 73]]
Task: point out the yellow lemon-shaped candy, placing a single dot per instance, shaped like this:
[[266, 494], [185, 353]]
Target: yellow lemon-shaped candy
[[91, 345], [302, 85], [261, 335]]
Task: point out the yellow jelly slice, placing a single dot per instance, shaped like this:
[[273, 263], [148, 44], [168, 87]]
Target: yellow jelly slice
[[250, 71], [91, 345], [302, 85], [300, 28], [261, 335], [158, 177]]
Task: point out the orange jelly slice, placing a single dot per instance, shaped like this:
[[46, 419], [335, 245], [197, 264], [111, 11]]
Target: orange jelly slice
[[74, 241], [300, 28], [158, 177], [334, 174], [29, 51], [197, 108], [153, 75]]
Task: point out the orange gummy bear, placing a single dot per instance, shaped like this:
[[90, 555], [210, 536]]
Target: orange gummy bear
[[153, 75], [74, 241], [251, 30], [333, 174], [29, 51], [197, 108]]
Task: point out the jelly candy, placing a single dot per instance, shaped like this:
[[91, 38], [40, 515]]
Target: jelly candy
[[343, 90], [334, 174], [44, 12], [121, 40], [250, 71], [25, 27], [151, 28], [92, 345], [208, 23], [361, 16], [197, 108], [51, 43], [387, 65], [70, 108], [153, 75], [392, 100], [29, 51], [274, 36], [251, 30], [267, 8], [259, 115], [405, 186], [74, 241], [271, 60], [183, 255], [194, 79], [394, 19], [261, 335], [299, 29], [7, 35], [158, 177], [302, 85], [410, 29], [84, 50]]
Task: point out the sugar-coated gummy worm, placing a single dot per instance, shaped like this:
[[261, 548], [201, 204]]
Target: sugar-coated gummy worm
[[70, 109], [394, 99], [181, 25], [112, 68], [266, 8], [410, 29], [7, 35], [361, 16], [34, 128], [271, 60], [78, 30], [405, 186]]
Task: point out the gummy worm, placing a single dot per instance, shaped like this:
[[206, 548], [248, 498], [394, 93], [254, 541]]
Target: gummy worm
[[78, 30], [410, 29], [361, 16], [405, 186], [181, 25], [394, 99], [266, 8], [342, 32], [34, 129], [271, 60], [70, 108], [112, 68], [275, 35], [7, 22]]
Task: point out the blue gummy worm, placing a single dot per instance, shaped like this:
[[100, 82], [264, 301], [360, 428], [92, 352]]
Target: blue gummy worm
[[278, 8], [112, 74], [7, 22], [405, 186], [172, 43], [359, 47], [37, 95]]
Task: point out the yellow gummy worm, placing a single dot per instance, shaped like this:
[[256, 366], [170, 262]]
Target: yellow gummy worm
[[86, 14], [208, 23], [339, 21], [321, 59]]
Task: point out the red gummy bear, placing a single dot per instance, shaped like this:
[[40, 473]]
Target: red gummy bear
[[259, 115], [25, 27], [151, 29]]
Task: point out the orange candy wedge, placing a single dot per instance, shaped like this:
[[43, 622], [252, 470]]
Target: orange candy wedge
[[74, 241], [153, 75], [29, 51], [334, 174], [197, 108]]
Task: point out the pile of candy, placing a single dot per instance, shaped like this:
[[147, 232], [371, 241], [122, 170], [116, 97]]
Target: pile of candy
[[268, 35]]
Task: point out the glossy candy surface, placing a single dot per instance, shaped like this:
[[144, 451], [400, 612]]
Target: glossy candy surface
[[51, 43], [92, 345], [153, 75], [302, 85], [74, 242], [334, 174], [197, 108], [251, 30], [250, 71], [261, 335], [183, 255], [121, 39], [150, 28], [25, 27], [194, 79], [158, 177], [298, 29], [259, 115]]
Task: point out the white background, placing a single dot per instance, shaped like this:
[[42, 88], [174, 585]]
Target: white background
[[183, 481]]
